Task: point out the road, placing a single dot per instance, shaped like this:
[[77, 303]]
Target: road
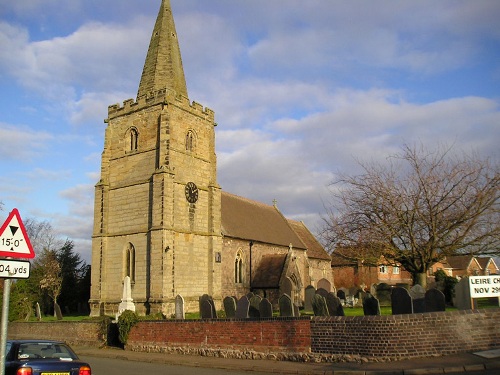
[[112, 366]]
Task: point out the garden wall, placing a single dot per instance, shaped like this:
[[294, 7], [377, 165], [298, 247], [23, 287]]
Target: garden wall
[[85, 333]]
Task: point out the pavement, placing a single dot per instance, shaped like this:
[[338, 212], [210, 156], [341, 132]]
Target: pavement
[[459, 363]]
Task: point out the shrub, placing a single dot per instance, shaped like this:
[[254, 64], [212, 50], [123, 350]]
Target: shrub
[[125, 323]]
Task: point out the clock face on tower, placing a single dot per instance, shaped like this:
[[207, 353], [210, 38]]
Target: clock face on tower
[[191, 191]]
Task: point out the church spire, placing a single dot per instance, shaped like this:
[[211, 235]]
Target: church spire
[[163, 66]]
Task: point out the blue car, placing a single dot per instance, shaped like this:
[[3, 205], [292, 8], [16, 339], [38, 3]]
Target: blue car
[[43, 357]]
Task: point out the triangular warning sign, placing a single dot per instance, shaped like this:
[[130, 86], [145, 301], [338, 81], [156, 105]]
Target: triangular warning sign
[[15, 243]]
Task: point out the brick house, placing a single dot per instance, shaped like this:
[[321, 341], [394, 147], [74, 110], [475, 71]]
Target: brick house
[[466, 265]]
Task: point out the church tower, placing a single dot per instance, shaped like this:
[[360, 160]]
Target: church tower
[[157, 210]]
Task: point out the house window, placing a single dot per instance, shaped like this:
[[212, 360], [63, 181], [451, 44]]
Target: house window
[[382, 269], [238, 269], [130, 261], [134, 136], [395, 270], [190, 141]]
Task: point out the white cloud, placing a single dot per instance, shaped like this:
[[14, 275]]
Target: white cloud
[[20, 143]]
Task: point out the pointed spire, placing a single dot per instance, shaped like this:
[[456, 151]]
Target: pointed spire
[[163, 66]]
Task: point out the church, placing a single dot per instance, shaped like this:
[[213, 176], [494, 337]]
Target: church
[[161, 218]]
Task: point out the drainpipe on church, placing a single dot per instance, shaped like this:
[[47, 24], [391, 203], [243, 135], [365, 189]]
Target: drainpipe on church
[[251, 245]]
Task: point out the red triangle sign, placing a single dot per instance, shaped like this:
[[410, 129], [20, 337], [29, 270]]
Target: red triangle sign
[[15, 243]]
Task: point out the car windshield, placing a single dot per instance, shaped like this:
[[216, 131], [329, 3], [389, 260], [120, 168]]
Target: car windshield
[[45, 350]]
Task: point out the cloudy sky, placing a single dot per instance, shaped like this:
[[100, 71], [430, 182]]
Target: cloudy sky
[[300, 90]]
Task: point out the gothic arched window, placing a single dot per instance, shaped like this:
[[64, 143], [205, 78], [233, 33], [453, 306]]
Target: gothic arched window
[[190, 140], [238, 268], [134, 139]]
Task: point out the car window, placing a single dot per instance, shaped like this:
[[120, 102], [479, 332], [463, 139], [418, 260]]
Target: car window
[[45, 350], [8, 345]]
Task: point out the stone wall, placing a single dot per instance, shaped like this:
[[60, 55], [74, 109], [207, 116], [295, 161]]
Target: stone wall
[[90, 333]]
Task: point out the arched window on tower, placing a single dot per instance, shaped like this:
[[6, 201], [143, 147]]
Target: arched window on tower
[[130, 261], [238, 268], [134, 139], [190, 141]]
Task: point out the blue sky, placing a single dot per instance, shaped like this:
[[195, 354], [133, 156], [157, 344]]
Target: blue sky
[[300, 90]]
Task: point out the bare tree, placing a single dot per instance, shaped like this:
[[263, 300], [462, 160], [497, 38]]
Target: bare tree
[[417, 209], [41, 235], [51, 281]]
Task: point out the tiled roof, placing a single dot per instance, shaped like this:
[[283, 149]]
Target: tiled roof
[[250, 220], [314, 248], [459, 262], [269, 271]]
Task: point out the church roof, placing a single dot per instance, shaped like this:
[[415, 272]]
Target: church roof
[[255, 221], [269, 271], [314, 248], [163, 66]]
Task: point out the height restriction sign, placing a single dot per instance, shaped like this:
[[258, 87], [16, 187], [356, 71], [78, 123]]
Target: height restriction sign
[[14, 241]]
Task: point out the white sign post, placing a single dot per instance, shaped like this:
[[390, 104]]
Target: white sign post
[[14, 243]]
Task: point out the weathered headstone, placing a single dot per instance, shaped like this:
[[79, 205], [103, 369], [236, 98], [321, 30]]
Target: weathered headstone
[[253, 311], [204, 298], [309, 293], [401, 301], [434, 300], [230, 307], [179, 307], [462, 300], [383, 294], [319, 305], [127, 302], [417, 293], [57, 311], [322, 292], [265, 308], [206, 311], [341, 294], [286, 307], [38, 312], [371, 305], [242, 308], [334, 305]]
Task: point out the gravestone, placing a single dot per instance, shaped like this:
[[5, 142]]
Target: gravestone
[[401, 301], [204, 298], [434, 300], [322, 292], [371, 306], [242, 308], [319, 305], [417, 293], [38, 312], [206, 309], [383, 294], [127, 302], [265, 308], [341, 294], [309, 293], [230, 307], [250, 295], [179, 307], [253, 311], [296, 310], [462, 300], [334, 305], [286, 307]]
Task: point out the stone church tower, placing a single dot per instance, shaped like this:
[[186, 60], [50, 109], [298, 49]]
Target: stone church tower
[[157, 210]]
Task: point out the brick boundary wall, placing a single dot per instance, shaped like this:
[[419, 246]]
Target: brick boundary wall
[[91, 333], [399, 337], [330, 339], [232, 335]]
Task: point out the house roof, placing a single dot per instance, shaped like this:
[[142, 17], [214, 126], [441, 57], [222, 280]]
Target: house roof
[[484, 262], [460, 262], [254, 221], [269, 271]]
